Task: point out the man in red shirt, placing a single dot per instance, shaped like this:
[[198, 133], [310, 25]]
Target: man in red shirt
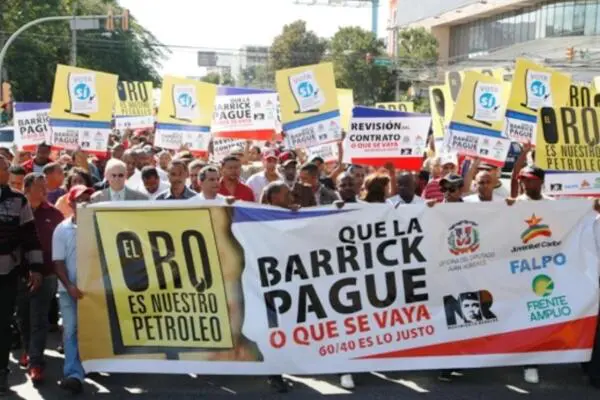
[[230, 185], [33, 307]]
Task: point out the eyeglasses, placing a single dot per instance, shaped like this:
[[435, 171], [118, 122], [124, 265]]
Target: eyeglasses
[[118, 175], [450, 189]]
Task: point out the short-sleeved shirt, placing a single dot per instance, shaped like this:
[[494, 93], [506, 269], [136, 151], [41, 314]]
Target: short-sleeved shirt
[[64, 248], [242, 192], [396, 199], [257, 183], [433, 190]]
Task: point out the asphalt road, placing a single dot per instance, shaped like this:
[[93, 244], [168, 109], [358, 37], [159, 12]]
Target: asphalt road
[[558, 382]]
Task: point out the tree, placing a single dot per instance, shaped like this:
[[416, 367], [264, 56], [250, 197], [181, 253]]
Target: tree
[[417, 54], [296, 47], [348, 51], [31, 61], [216, 78], [257, 76]]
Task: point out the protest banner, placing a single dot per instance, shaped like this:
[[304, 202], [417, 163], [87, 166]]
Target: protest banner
[[309, 105], [81, 109], [185, 113], [134, 105], [32, 125], [223, 147], [534, 86], [438, 98], [568, 184], [403, 106], [242, 113], [250, 289], [328, 152], [478, 119], [378, 137], [569, 139], [346, 104]]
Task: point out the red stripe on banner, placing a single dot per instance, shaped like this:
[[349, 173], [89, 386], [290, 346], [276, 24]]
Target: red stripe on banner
[[199, 153], [265, 134], [571, 335], [29, 147], [405, 163], [492, 161]]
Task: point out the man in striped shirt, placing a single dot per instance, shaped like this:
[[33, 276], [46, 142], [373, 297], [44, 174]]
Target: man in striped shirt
[[20, 252]]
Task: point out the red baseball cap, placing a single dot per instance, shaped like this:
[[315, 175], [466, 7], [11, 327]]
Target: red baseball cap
[[77, 191], [269, 154]]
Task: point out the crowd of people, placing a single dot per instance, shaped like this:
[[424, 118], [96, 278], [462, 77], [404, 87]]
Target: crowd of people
[[40, 192]]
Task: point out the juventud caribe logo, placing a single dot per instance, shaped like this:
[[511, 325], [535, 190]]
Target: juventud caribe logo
[[547, 307], [531, 235]]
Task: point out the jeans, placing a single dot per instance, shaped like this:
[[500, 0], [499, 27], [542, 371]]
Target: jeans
[[8, 298], [32, 315], [68, 309]]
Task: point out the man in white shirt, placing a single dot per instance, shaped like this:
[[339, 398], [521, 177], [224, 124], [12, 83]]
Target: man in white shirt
[[152, 184], [501, 192], [485, 189], [258, 181], [209, 184], [407, 187]]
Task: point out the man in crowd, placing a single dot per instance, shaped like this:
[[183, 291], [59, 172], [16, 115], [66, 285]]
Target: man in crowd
[[64, 255], [178, 174], [33, 307], [358, 173], [194, 170], [309, 175], [17, 175], [258, 181], [346, 188], [209, 184], [451, 187], [39, 161], [301, 194], [406, 186], [532, 181], [440, 168], [485, 189], [115, 173], [55, 178], [18, 241], [230, 184], [152, 185]]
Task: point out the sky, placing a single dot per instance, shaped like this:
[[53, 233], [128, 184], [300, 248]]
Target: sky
[[230, 24]]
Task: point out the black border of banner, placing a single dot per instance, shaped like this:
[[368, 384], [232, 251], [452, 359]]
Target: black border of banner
[[119, 348]]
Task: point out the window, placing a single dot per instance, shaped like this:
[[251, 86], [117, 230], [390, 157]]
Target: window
[[568, 15], [579, 17], [591, 8], [550, 20]]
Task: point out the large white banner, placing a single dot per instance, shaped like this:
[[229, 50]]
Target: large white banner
[[381, 288]]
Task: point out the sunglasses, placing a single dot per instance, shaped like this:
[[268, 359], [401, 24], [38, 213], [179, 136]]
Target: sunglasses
[[450, 189], [118, 175]]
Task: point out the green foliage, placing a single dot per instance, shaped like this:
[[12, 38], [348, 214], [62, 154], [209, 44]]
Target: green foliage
[[348, 51], [259, 76], [218, 79], [296, 47], [31, 60], [417, 52]]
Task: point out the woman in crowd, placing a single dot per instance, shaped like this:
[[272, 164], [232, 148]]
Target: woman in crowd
[[76, 176]]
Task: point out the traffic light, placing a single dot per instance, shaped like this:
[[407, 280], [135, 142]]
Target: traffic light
[[110, 21], [369, 58], [570, 53], [125, 20]]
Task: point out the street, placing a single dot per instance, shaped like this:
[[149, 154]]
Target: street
[[557, 382]]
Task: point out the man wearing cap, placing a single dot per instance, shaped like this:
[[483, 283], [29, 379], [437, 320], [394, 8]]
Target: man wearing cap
[[258, 181], [451, 187], [64, 255], [531, 179], [33, 307], [440, 167], [301, 194]]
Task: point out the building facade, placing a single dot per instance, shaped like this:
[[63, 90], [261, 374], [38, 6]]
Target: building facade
[[470, 28]]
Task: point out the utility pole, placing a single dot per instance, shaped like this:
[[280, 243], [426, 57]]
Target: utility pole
[[74, 35], [396, 62]]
